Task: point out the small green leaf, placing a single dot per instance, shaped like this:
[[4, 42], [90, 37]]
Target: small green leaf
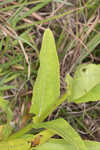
[[47, 86]]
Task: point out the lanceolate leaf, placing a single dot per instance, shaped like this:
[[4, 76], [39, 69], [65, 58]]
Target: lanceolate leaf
[[47, 86], [62, 128]]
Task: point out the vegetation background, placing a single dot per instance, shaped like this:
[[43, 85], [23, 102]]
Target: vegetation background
[[76, 28]]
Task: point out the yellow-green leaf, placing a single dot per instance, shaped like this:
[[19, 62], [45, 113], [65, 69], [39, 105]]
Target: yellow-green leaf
[[47, 86]]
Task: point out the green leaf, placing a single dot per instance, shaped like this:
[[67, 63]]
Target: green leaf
[[85, 85], [60, 144], [47, 86], [62, 128]]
